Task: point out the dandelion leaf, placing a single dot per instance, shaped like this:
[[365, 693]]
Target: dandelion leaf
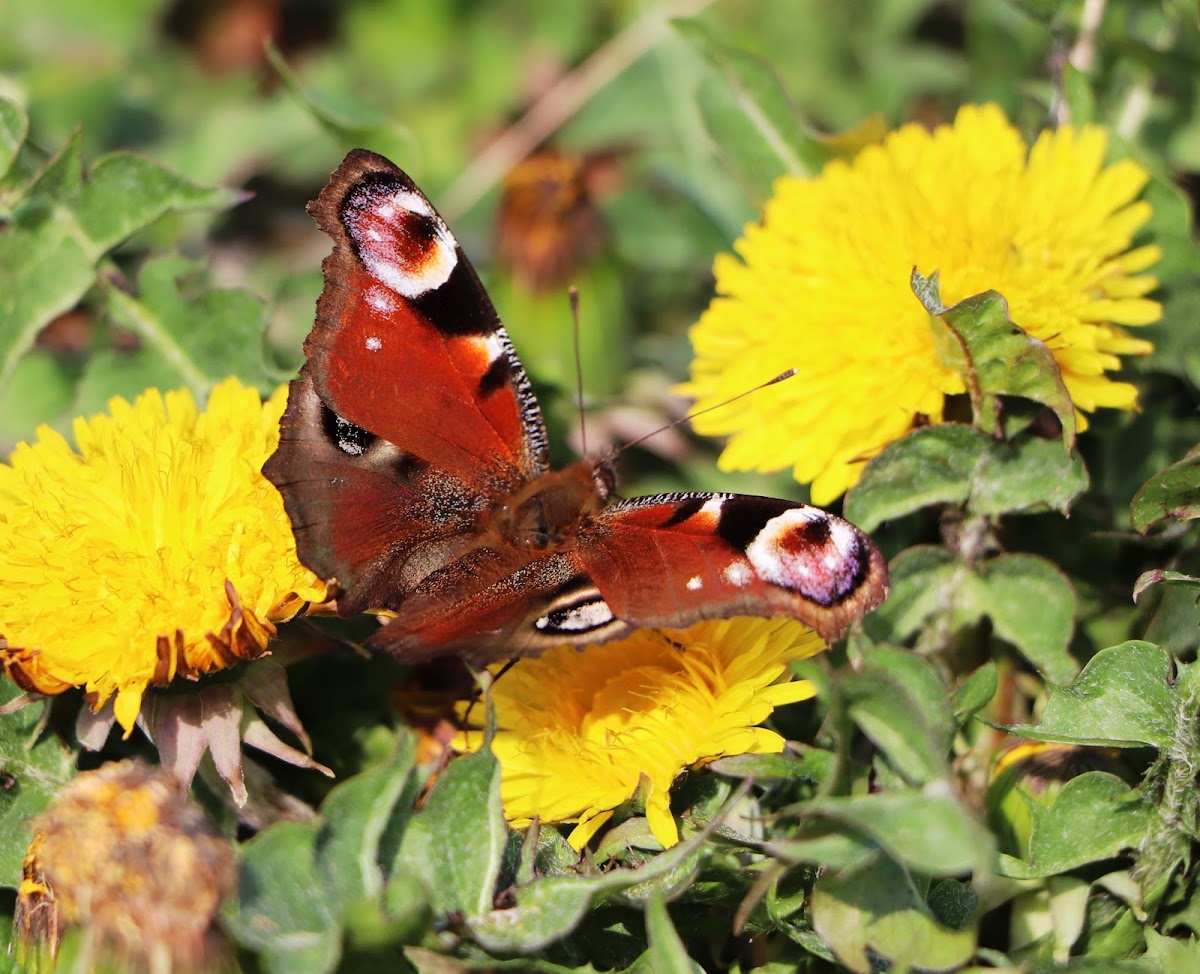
[[749, 115], [14, 126], [190, 335]]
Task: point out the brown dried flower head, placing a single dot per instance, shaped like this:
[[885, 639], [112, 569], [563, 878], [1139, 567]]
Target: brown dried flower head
[[123, 854]]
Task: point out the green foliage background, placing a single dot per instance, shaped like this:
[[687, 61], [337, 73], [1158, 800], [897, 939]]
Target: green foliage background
[[127, 146]]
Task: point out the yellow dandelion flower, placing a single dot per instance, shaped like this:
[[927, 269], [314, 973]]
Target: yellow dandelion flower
[[579, 733], [822, 285], [155, 550]]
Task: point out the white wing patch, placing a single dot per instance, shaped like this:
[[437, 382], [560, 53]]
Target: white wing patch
[[737, 574]]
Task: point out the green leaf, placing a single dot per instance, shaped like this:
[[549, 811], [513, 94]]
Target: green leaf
[[927, 830], [1177, 956], [1030, 602], [1032, 605], [301, 881], [349, 122], [1096, 816], [550, 907], [1078, 95], [192, 335], [667, 953], [1124, 697], [748, 114], [33, 771], [956, 464], [974, 693], [355, 814], [823, 844], [924, 580], [899, 702], [1158, 576], [1174, 492], [65, 224], [14, 126], [999, 359], [41, 390], [875, 908], [800, 762], [281, 908], [455, 843]]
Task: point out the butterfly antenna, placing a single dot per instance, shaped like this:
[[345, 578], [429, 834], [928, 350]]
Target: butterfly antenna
[[574, 297], [708, 409]]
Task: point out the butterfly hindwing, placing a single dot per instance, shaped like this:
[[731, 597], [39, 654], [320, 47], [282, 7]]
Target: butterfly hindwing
[[674, 559], [376, 519]]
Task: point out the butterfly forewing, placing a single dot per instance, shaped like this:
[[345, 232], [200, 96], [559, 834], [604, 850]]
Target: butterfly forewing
[[406, 343]]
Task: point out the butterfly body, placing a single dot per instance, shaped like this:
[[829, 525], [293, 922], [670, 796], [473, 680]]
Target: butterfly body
[[413, 466]]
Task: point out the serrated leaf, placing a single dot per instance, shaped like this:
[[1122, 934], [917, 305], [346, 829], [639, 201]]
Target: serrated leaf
[[953, 463], [1000, 358], [748, 114], [32, 776], [455, 843], [281, 909], [1096, 816], [65, 224], [124, 192], [875, 909], [1174, 492], [1124, 697], [1177, 956]]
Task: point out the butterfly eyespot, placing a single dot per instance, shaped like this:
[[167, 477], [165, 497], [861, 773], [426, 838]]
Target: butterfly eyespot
[[399, 238], [806, 550], [352, 440], [572, 620]]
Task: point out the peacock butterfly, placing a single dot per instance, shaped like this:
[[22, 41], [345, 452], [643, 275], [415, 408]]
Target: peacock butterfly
[[412, 461]]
